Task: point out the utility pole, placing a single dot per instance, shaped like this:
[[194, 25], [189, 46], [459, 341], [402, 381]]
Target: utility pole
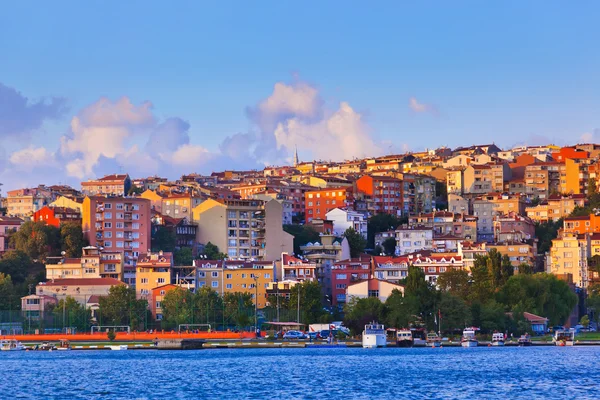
[[298, 317], [256, 305]]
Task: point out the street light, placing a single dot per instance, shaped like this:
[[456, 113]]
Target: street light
[[256, 305]]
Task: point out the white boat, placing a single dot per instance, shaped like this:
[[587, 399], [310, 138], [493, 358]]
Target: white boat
[[564, 338], [11, 345], [433, 340], [374, 336], [118, 347], [498, 339], [404, 338], [468, 338], [64, 345]]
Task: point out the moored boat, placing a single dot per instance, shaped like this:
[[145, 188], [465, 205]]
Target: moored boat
[[374, 336], [118, 347], [404, 338], [498, 339], [525, 340], [11, 345], [433, 340], [564, 338], [468, 338], [64, 345]]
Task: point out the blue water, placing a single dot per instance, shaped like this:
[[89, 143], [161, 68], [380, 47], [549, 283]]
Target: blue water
[[423, 373]]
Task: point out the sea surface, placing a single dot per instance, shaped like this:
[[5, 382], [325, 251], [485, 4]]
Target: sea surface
[[352, 373]]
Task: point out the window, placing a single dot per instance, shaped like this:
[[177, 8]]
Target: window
[[232, 252], [215, 274], [120, 215], [341, 276], [431, 269], [340, 286], [108, 234], [108, 206], [215, 284], [136, 216], [33, 301], [201, 274], [243, 286], [228, 276], [232, 242], [108, 225], [268, 276], [243, 276], [158, 304], [107, 244], [162, 292], [119, 234], [161, 280], [135, 225], [119, 206], [202, 284], [119, 225], [231, 214], [119, 244], [229, 286], [107, 215], [144, 281], [442, 269], [373, 293]]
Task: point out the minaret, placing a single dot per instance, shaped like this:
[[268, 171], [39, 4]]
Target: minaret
[[296, 161]]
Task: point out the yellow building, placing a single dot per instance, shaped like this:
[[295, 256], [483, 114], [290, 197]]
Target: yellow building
[[67, 202], [555, 207], [577, 175], [518, 252], [233, 276], [243, 229], [569, 255], [155, 199], [455, 181], [152, 270]]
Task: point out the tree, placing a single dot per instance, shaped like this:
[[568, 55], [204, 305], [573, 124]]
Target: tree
[[177, 307], [121, 307], [507, 269], [382, 223], [303, 234], [525, 268], [546, 232], [206, 304], [455, 281], [481, 285], [311, 305], [400, 310], [135, 190], [389, 246], [183, 256], [212, 252], [74, 313], [8, 295], [237, 306], [425, 294], [72, 239], [493, 317], [19, 266], [585, 321], [164, 239], [359, 312], [356, 242], [455, 313], [37, 240]]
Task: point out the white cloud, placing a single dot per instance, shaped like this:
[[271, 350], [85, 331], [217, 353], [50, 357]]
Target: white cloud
[[32, 157], [414, 105], [188, 155], [587, 137]]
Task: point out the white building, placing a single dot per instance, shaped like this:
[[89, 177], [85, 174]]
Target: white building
[[344, 219], [413, 239]]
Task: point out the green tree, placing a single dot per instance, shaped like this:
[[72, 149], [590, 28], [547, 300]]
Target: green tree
[[183, 256], [425, 294], [164, 239], [400, 310], [8, 295], [19, 266], [525, 268], [546, 232], [359, 312], [585, 321], [177, 307], [455, 281], [481, 284], [389, 246], [506, 268], [121, 307], [382, 223], [72, 239], [237, 308], [207, 306], [593, 302], [311, 304], [37, 240], [356, 242], [302, 234], [135, 190], [74, 313], [455, 313], [212, 252], [493, 317]]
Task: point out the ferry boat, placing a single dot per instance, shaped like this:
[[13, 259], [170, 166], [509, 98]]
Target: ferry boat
[[525, 340], [11, 345], [64, 345], [468, 339], [433, 340], [564, 338], [498, 339], [404, 338], [374, 336]]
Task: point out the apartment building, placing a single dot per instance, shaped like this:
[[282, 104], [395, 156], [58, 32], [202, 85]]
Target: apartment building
[[8, 225], [152, 270], [115, 185], [556, 207], [346, 272], [22, 203], [84, 291], [446, 223], [577, 175], [318, 203], [344, 218], [324, 253], [569, 255], [295, 269], [580, 225], [518, 251], [119, 224], [384, 194], [486, 178], [236, 276], [243, 229], [158, 295], [394, 269], [413, 239], [94, 263], [74, 203], [180, 205], [455, 181]]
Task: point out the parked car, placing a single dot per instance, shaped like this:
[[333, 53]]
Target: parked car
[[313, 335], [294, 335]]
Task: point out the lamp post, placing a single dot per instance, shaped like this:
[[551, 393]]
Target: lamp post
[[298, 317], [256, 305]]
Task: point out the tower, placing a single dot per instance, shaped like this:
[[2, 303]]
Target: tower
[[296, 161]]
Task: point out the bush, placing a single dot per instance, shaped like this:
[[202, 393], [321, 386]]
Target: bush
[[111, 335]]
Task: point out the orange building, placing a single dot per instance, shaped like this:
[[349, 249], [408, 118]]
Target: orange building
[[158, 294], [57, 215], [153, 270], [117, 185], [317, 203], [384, 193], [577, 175], [580, 225], [569, 152]]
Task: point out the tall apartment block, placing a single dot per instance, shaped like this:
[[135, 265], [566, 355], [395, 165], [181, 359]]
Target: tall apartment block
[[118, 224]]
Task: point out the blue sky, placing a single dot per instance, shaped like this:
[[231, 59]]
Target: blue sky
[[509, 72]]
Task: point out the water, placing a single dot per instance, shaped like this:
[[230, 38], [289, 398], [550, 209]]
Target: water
[[547, 372]]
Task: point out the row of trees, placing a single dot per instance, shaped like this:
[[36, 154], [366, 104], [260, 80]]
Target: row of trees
[[38, 240], [490, 298]]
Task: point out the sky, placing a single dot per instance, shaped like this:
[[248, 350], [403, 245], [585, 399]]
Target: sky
[[147, 87]]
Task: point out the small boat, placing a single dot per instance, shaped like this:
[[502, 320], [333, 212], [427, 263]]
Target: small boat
[[404, 338], [525, 340], [120, 347], [468, 338], [374, 336], [564, 338], [64, 345], [433, 340], [498, 339], [11, 345]]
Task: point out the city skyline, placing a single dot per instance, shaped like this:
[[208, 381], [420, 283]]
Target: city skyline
[[97, 89]]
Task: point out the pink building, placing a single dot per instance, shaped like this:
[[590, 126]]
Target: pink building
[[346, 272]]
